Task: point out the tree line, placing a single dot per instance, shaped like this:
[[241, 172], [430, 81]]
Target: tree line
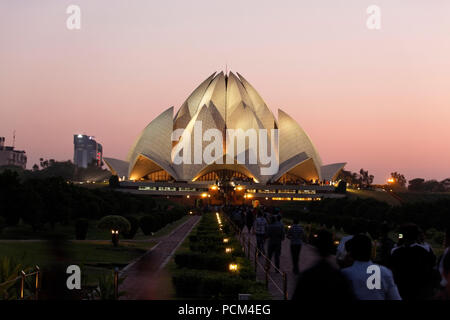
[[47, 201], [370, 214], [67, 170]]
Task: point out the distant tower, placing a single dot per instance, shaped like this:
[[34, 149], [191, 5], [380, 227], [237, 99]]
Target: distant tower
[[87, 151]]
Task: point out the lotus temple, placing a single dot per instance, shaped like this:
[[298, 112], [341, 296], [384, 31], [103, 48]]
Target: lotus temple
[[223, 103]]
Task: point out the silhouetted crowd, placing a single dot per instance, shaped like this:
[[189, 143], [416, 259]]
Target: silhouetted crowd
[[356, 269]]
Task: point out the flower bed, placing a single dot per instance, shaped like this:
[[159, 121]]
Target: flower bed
[[203, 270]]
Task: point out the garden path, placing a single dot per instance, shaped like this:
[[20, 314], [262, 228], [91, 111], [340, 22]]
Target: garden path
[[146, 278]]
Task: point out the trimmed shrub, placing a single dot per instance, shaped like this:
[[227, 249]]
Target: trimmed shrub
[[148, 224], [114, 223], [212, 285], [134, 227], [81, 229], [114, 182], [195, 260]]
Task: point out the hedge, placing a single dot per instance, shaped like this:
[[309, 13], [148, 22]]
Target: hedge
[[214, 285], [153, 222], [203, 270]]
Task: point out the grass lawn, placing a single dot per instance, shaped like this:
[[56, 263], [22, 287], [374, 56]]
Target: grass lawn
[[411, 197], [377, 195], [406, 196], [171, 266], [94, 257]]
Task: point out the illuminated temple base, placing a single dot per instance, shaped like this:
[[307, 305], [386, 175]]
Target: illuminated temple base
[[243, 193]]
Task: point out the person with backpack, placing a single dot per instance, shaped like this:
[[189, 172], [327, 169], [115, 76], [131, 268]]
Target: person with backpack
[[250, 217], [360, 250], [413, 265], [275, 234], [296, 235]]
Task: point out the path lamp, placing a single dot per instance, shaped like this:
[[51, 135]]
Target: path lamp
[[233, 267], [115, 224], [115, 237]]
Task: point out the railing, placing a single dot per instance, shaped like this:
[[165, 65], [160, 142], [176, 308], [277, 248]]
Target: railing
[[37, 284], [249, 247], [22, 277]]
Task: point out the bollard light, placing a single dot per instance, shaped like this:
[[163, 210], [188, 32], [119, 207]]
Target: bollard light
[[233, 267]]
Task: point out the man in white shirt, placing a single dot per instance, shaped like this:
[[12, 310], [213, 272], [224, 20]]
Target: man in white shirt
[[260, 229], [383, 288], [443, 282]]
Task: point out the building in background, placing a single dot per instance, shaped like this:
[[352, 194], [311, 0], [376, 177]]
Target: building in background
[[87, 151], [223, 102], [11, 157]]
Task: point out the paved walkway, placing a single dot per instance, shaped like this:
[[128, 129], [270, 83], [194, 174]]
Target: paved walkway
[[145, 278], [308, 257]]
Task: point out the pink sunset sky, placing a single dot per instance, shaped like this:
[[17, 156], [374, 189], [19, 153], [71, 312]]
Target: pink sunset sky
[[376, 99]]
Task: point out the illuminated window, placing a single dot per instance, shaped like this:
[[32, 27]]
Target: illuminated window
[[167, 189], [286, 191], [223, 174], [160, 176], [307, 191], [281, 198], [289, 178]]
